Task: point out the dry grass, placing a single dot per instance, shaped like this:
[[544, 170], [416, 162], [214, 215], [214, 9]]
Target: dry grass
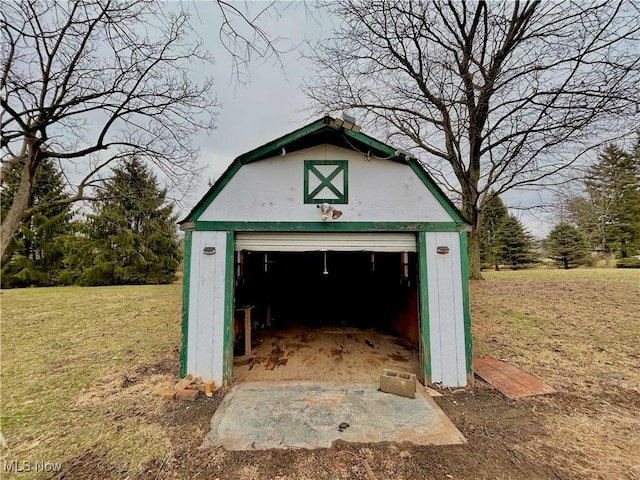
[[579, 330], [79, 363]]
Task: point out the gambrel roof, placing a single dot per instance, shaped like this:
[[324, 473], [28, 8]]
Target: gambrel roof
[[326, 131]]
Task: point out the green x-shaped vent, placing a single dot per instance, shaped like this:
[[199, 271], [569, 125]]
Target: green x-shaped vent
[[326, 181]]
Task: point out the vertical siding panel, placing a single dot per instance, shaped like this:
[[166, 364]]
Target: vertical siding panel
[[205, 340], [461, 364], [207, 287], [446, 310], [218, 318], [434, 309], [194, 288]]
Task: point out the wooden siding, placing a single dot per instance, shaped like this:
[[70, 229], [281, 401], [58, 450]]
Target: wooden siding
[[206, 342], [273, 190], [446, 310]]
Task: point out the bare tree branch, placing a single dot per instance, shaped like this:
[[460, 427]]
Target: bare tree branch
[[498, 95], [91, 82]]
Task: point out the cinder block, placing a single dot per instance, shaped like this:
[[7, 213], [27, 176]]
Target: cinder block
[[398, 383]]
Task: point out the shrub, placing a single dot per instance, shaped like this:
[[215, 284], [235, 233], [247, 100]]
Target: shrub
[[628, 263]]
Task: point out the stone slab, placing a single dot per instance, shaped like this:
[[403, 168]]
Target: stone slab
[[265, 415]]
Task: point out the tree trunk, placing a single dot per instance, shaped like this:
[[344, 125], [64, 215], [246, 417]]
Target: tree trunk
[[474, 242], [11, 222], [474, 254], [607, 260]]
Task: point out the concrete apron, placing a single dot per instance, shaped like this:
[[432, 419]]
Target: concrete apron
[[265, 415]]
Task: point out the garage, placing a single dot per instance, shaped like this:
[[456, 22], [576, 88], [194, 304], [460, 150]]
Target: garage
[[342, 254], [327, 279], [345, 301]]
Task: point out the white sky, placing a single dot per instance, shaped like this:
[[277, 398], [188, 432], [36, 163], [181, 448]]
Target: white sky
[[272, 104]]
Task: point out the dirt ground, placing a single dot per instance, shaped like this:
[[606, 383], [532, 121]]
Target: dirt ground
[[339, 355], [504, 442], [579, 334]]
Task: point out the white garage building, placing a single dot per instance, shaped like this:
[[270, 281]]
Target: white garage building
[[327, 197]]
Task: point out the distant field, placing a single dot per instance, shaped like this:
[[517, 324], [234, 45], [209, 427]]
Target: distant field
[[80, 365]]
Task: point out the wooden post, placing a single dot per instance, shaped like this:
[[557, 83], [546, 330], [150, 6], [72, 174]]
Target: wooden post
[[247, 327]]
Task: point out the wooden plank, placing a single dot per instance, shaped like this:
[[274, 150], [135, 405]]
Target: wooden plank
[[510, 380], [188, 395], [184, 383]]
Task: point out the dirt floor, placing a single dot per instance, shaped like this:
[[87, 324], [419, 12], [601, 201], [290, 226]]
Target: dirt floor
[[578, 331], [348, 355]]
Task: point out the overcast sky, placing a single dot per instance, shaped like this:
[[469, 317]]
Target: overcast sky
[[272, 104]]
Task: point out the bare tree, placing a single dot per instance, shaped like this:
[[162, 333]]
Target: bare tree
[[89, 82], [497, 95]]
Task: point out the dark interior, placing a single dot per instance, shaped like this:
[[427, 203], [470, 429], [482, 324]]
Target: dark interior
[[355, 289]]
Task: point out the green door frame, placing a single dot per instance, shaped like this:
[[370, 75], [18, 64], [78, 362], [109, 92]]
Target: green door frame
[[423, 301], [423, 307]]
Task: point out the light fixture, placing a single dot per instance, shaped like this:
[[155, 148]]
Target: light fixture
[[327, 209], [442, 249], [325, 271], [209, 250], [405, 265]]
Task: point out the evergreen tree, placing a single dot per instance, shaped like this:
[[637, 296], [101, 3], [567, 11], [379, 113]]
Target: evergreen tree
[[131, 238], [566, 246], [495, 214], [36, 253], [609, 213], [513, 244]]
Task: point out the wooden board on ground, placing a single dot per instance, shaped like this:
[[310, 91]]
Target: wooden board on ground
[[509, 380]]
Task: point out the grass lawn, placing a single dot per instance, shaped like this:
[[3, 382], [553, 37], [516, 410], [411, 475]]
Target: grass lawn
[[76, 362], [80, 367]]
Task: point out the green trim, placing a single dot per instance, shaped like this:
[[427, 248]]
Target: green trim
[[342, 166], [382, 148], [185, 305], [451, 209], [423, 285], [468, 348], [326, 123], [273, 148], [213, 192], [229, 296], [335, 226]]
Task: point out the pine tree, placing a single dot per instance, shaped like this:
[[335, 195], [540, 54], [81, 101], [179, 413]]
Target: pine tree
[[566, 246], [36, 253], [513, 244], [132, 233], [609, 213], [495, 213]]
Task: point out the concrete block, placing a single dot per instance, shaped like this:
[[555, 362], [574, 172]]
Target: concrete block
[[398, 383]]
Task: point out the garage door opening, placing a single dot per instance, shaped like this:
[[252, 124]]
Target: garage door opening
[[343, 315]]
